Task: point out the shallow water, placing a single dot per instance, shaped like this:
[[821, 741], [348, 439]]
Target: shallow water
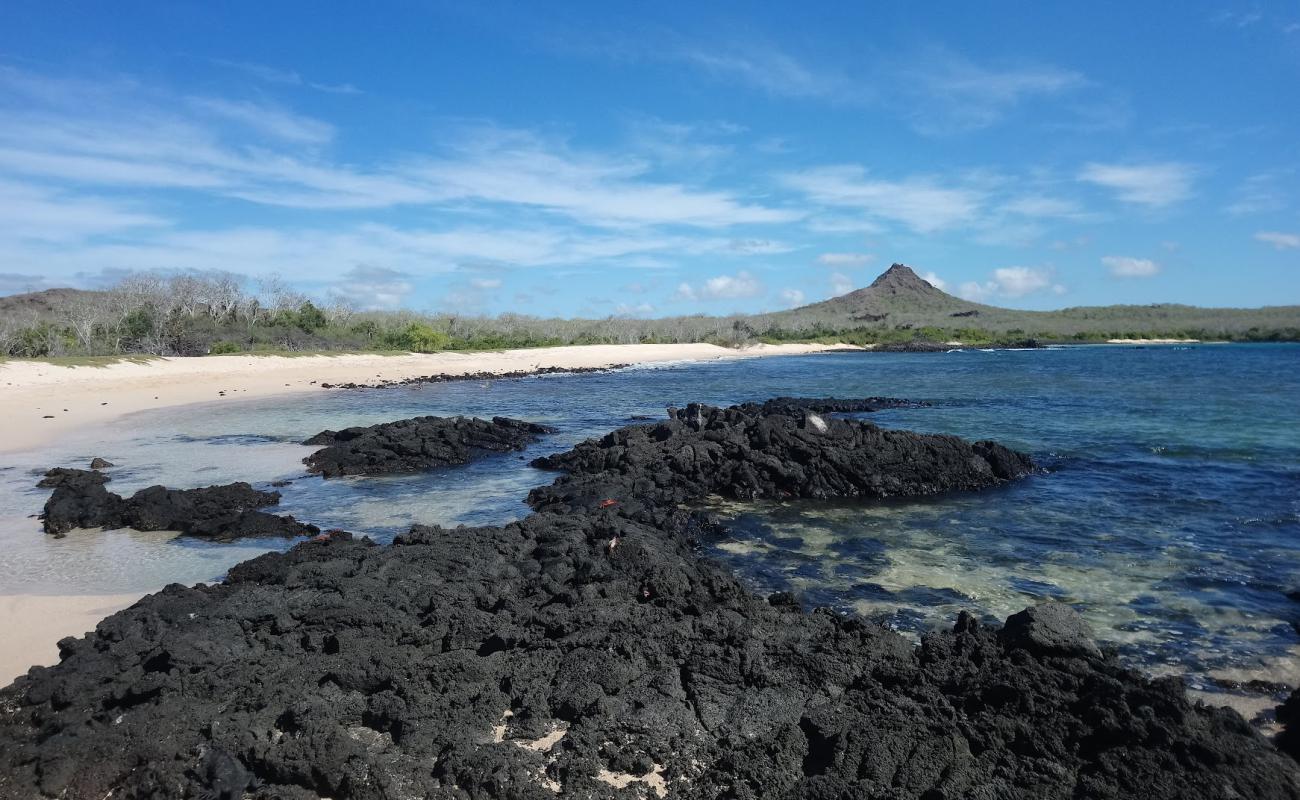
[[1169, 511]]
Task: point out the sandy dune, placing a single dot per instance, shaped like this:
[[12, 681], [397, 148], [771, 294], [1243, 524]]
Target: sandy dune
[[41, 401]]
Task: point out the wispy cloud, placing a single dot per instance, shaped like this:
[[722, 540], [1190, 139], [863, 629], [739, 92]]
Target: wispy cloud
[[1259, 194], [284, 77], [517, 168], [768, 68], [1155, 185], [1279, 240], [949, 93], [267, 119], [919, 203], [1129, 267], [845, 259]]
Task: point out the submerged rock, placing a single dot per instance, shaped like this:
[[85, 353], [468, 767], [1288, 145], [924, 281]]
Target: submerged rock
[[80, 500], [419, 444], [589, 652], [830, 405]]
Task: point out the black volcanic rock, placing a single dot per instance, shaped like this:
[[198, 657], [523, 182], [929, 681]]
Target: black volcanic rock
[[223, 513], [594, 654], [418, 444], [744, 453], [552, 655], [1052, 628]]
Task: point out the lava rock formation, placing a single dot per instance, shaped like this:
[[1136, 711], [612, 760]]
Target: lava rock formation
[[418, 444], [223, 513]]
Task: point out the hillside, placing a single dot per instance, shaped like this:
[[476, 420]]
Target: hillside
[[197, 315], [901, 300]]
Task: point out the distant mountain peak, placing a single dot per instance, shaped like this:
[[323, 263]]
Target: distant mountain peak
[[900, 279]]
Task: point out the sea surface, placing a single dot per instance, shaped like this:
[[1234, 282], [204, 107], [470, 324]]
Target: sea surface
[[1168, 511]]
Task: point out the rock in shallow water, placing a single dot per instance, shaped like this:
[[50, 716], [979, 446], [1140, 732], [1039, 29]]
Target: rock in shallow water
[[747, 453], [418, 444], [228, 512]]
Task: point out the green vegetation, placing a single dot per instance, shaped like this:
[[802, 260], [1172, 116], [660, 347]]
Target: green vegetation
[[194, 315]]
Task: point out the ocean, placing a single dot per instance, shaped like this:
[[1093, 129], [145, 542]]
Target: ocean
[[1167, 511]]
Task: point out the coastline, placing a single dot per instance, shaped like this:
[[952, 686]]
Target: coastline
[[43, 401]]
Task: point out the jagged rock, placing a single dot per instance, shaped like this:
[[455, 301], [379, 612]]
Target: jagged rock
[[1051, 628], [571, 652], [746, 453], [225, 512], [100, 463], [418, 444], [60, 476]]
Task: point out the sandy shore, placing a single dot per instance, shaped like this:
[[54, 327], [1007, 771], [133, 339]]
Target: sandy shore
[[41, 401], [32, 625]]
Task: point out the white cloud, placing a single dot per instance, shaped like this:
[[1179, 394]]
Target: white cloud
[[841, 284], [721, 287], [373, 288], [634, 310], [935, 281], [1020, 281], [792, 297], [844, 259], [1128, 267], [1279, 240], [486, 283], [1012, 282], [742, 284], [1155, 185], [918, 203]]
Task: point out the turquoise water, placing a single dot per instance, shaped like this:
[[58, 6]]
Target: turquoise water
[[1169, 510]]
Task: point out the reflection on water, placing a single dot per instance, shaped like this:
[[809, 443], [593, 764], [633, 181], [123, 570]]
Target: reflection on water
[[1169, 514]]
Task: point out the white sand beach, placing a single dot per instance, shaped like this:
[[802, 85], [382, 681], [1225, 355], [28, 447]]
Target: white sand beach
[[40, 401]]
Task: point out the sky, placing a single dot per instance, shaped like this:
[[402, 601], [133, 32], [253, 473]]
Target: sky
[[607, 158]]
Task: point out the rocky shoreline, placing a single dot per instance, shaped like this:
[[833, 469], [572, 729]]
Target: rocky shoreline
[[445, 377], [587, 650]]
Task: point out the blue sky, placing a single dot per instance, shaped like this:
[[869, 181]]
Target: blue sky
[[649, 159]]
